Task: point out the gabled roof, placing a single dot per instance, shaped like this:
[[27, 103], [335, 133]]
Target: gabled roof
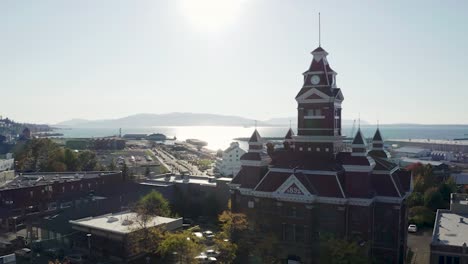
[[289, 134], [249, 177], [359, 139], [377, 136], [321, 185], [382, 164], [255, 137]]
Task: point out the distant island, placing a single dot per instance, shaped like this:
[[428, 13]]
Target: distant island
[[179, 119]]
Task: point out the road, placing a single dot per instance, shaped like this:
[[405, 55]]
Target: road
[[419, 243], [176, 165]]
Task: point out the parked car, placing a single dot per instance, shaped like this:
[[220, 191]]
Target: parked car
[[205, 259], [211, 253], [412, 228]]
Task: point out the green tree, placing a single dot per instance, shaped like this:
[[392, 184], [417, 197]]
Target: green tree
[[421, 216], [415, 199], [180, 247], [446, 188], [71, 160], [125, 172], [153, 204], [433, 199], [112, 166]]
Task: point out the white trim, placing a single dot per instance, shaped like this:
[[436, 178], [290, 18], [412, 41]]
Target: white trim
[[385, 172], [394, 184], [288, 183], [313, 172], [260, 182], [318, 138], [339, 184], [388, 199], [315, 117], [360, 201], [254, 163], [359, 168]]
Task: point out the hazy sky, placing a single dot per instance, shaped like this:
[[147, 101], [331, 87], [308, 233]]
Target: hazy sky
[[397, 61]]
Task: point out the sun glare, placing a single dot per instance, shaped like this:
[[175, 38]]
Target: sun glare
[[211, 15]]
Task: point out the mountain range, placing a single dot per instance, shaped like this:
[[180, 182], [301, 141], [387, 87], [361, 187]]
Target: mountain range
[[179, 119]]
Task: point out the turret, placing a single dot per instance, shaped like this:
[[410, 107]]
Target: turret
[[378, 146], [359, 145]]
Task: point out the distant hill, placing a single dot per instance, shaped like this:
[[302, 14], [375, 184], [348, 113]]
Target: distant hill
[[177, 119]]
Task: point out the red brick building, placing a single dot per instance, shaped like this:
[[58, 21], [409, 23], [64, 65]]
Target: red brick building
[[317, 185]]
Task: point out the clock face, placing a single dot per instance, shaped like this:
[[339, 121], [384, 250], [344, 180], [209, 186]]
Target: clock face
[[315, 79]]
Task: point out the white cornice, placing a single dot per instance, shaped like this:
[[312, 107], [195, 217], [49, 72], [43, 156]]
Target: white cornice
[[313, 172]]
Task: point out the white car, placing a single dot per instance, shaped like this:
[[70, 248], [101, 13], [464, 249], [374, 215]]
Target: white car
[[211, 253], [205, 259], [412, 228]]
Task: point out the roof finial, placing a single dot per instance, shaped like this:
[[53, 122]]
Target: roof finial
[[320, 41], [255, 124], [290, 124], [359, 121], [377, 124]]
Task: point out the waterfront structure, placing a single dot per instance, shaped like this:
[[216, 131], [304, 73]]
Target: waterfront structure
[[156, 137], [449, 243], [111, 234], [316, 185], [229, 164], [411, 152]]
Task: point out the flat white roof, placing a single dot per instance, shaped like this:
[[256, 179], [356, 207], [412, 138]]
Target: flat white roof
[[451, 229], [120, 223], [414, 150]]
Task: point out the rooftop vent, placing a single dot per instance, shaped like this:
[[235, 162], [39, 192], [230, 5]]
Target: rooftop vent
[[461, 220], [127, 222], [112, 219]]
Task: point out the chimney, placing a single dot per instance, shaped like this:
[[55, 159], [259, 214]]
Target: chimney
[[461, 220]]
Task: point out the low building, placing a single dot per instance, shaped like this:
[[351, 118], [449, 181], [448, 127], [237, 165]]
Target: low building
[[156, 137], [135, 136], [450, 235], [411, 152], [32, 195], [6, 170], [111, 234], [6, 164], [230, 164]]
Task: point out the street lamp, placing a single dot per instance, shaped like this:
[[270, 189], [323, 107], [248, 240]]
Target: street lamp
[[89, 244]]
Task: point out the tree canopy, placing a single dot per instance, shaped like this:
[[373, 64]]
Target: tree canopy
[[44, 155], [153, 204]]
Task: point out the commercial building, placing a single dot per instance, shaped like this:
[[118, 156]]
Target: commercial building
[[33, 195], [315, 185], [449, 243], [229, 164], [111, 234]]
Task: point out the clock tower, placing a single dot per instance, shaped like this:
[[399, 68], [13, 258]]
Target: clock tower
[[319, 108]]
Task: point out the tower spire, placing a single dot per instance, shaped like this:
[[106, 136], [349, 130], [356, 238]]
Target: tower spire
[[320, 41]]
